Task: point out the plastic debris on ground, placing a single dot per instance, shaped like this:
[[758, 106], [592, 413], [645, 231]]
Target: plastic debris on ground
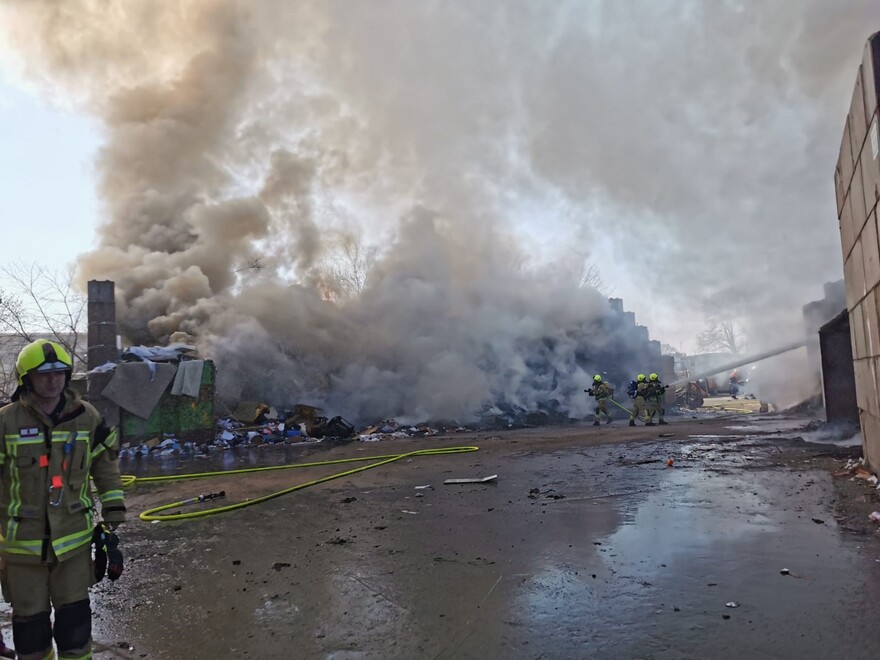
[[390, 429], [256, 424], [167, 445]]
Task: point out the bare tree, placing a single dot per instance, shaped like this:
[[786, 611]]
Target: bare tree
[[722, 335], [254, 264], [39, 303], [591, 277], [351, 264]]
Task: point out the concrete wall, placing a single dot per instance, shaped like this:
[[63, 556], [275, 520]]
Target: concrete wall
[[857, 188]]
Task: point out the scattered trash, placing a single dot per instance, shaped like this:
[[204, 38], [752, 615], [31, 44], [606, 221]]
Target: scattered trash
[[423, 487], [278, 565], [875, 516], [349, 500], [666, 435], [125, 646], [251, 412], [412, 513], [725, 616], [390, 429], [818, 521], [670, 463], [864, 473], [476, 480], [731, 604], [785, 571]]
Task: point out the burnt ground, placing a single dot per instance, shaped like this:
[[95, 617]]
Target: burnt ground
[[587, 545]]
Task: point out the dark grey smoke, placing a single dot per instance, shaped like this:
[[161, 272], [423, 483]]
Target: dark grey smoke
[[685, 147]]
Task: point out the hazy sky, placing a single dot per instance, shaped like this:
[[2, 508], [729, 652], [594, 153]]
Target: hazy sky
[[47, 185], [686, 148]]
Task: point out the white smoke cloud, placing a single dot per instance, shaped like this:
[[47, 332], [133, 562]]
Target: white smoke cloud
[[686, 147]]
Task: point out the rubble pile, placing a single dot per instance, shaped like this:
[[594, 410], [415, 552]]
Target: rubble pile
[[252, 423], [389, 429], [167, 445], [255, 422]]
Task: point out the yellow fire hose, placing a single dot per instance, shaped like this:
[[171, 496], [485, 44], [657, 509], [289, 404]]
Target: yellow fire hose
[[150, 515], [643, 417]]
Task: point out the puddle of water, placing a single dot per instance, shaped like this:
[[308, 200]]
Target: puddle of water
[[736, 533]]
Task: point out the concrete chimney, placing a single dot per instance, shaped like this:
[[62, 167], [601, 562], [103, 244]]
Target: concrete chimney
[[102, 345]]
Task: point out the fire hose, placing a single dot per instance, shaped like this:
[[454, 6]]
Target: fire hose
[[624, 408], [154, 514]]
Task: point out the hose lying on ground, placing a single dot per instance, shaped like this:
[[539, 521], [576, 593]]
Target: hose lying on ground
[[129, 480]]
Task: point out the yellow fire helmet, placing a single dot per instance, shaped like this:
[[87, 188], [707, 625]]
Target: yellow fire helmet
[[597, 378], [641, 378], [653, 377], [42, 356]]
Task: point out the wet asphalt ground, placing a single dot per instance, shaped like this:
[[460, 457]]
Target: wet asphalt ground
[[586, 546]]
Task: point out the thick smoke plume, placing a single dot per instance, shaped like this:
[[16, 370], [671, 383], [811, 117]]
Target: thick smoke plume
[[259, 154]]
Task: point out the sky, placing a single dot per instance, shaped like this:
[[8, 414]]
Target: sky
[[684, 148], [46, 174]]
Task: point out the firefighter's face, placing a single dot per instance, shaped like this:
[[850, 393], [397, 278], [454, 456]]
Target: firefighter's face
[[48, 385]]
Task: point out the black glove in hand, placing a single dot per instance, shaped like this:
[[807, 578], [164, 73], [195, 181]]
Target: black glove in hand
[[114, 557], [108, 556]]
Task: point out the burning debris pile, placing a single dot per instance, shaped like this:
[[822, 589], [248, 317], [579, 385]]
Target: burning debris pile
[[251, 213], [258, 423], [350, 215]]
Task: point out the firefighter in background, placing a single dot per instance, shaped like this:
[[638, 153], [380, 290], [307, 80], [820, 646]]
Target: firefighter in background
[[601, 391], [51, 442], [639, 395], [654, 399], [734, 384]]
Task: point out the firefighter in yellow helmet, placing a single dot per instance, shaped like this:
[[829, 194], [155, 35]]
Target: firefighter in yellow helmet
[[51, 442], [639, 403], [654, 399], [601, 391]]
